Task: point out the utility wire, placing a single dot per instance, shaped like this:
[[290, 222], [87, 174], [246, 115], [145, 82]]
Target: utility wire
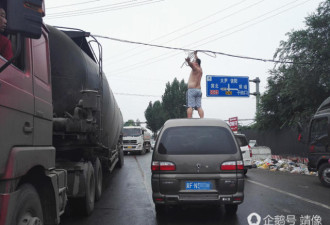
[[181, 28], [80, 3], [102, 9], [217, 21], [200, 50], [221, 19], [144, 64]]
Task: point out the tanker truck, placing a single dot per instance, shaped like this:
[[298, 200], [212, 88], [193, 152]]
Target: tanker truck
[[60, 125]]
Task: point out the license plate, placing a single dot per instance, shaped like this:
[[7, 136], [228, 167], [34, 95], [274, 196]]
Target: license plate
[[129, 146], [198, 185]]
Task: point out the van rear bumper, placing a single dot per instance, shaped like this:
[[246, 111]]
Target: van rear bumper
[[194, 199]]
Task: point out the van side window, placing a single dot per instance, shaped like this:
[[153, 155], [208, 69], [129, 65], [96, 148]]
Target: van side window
[[40, 62], [319, 128]]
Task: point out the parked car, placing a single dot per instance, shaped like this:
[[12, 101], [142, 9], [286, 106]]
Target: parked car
[[246, 151], [197, 161]]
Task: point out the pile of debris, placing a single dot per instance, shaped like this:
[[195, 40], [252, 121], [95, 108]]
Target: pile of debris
[[284, 165]]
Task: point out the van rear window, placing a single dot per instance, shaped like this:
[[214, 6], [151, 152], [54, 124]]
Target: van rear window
[[197, 141]]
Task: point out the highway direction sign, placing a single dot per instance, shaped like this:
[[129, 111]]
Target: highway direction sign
[[227, 86]]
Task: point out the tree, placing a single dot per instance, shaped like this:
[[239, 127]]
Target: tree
[[129, 123], [296, 90], [174, 99], [155, 116]]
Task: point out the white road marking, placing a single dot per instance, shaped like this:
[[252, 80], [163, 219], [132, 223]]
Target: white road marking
[[290, 194], [145, 185]]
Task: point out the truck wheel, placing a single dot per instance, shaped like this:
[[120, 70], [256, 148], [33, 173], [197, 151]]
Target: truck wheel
[[98, 179], [87, 203], [324, 174], [120, 162], [143, 151], [28, 208]]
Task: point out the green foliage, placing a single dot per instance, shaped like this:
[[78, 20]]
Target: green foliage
[[172, 106], [129, 123], [174, 99], [155, 116], [296, 90]]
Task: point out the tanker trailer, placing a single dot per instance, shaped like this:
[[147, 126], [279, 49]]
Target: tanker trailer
[[87, 122]]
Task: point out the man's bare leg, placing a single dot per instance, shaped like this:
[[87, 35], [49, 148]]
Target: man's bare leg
[[200, 112], [189, 112]]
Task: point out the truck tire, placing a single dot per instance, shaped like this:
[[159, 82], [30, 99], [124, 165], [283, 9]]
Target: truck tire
[[86, 204], [28, 208], [324, 174], [98, 179], [120, 162], [143, 151]]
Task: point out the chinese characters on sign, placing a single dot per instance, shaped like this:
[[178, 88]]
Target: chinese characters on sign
[[233, 123], [255, 219], [227, 86]]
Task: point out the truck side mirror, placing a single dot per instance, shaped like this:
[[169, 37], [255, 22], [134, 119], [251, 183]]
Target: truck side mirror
[[25, 17]]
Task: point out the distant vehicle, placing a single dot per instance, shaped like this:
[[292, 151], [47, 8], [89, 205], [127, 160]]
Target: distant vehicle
[[152, 143], [136, 139], [197, 161], [318, 141], [246, 151], [253, 143]]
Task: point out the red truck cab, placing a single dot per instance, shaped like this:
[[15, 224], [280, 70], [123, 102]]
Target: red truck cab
[[26, 122]]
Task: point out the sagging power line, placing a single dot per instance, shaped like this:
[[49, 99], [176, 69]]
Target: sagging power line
[[199, 50]]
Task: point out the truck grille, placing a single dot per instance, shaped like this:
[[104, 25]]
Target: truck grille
[[129, 141]]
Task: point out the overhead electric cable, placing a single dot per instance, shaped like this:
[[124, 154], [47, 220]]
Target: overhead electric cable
[[186, 49], [215, 22], [184, 27], [162, 57], [101, 9], [80, 3]]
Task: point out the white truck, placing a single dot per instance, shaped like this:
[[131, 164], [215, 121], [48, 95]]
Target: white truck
[[136, 139]]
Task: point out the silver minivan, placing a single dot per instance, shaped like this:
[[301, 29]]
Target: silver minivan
[[197, 161]]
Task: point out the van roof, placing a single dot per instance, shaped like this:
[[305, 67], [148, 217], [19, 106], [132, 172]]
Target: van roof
[[195, 122]]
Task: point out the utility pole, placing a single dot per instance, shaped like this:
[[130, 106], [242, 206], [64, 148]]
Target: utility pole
[[257, 93]]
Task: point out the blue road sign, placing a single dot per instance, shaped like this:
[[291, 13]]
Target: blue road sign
[[227, 86]]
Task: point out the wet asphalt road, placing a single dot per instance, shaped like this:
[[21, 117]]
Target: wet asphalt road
[[127, 200]]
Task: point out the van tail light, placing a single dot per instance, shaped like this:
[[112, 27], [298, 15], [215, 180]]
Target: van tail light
[[155, 165], [232, 165], [240, 165], [162, 166]]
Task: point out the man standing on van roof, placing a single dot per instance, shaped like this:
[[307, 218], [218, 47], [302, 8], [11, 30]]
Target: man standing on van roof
[[194, 93], [5, 44]]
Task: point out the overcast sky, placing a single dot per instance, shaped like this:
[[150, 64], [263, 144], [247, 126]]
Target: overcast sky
[[138, 74]]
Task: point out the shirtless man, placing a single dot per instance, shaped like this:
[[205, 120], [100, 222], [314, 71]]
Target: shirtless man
[[5, 44], [194, 93]]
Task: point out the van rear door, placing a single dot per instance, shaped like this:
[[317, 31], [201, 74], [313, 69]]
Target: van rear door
[[198, 155]]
